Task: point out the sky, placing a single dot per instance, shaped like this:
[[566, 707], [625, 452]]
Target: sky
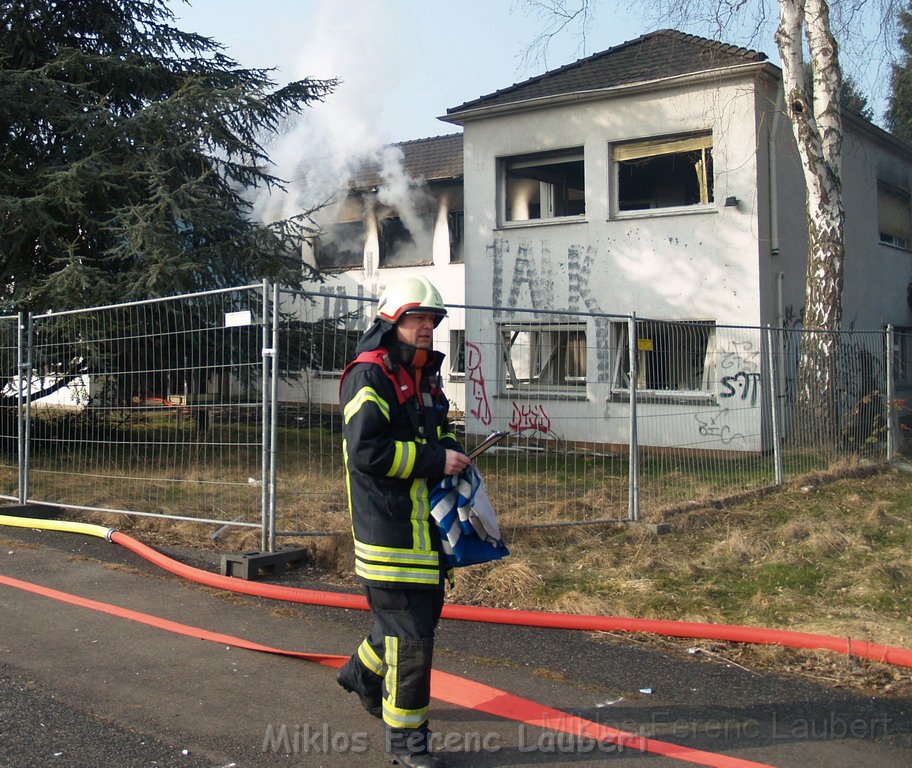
[[401, 65], [404, 62]]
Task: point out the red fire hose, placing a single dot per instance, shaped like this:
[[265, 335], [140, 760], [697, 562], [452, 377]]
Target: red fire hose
[[887, 654], [458, 690], [444, 687]]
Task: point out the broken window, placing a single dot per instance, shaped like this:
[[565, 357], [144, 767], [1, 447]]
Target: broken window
[[894, 214], [456, 228], [542, 356], [398, 247], [671, 356], [340, 246], [457, 354], [544, 185], [664, 173]]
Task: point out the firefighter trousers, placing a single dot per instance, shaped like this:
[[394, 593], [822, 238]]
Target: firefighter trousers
[[393, 663]]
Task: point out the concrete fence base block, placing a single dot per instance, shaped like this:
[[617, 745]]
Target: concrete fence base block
[[656, 528], [247, 565]]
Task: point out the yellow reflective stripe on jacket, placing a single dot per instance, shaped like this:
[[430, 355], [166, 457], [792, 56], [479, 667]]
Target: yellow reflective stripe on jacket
[[394, 554], [421, 510], [403, 459], [393, 573], [348, 484], [369, 658], [365, 395]]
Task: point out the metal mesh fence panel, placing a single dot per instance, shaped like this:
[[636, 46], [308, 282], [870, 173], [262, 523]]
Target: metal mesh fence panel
[[9, 419], [717, 410], [544, 377], [522, 375], [832, 397], [902, 393], [702, 412], [151, 407], [316, 340]]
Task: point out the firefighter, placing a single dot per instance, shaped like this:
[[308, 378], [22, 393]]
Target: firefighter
[[397, 442]]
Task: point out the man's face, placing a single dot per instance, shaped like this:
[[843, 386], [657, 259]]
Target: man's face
[[416, 329]]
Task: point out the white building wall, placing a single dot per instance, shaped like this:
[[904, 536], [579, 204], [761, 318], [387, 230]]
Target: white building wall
[[350, 290], [736, 264], [701, 264], [876, 275]]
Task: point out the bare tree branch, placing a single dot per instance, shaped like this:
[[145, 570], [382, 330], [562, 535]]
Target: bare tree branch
[[556, 17]]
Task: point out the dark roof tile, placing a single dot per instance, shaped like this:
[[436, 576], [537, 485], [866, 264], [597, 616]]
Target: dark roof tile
[[438, 158], [660, 54]]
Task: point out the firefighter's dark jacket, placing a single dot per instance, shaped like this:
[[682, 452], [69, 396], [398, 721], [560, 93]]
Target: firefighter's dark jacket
[[392, 453]]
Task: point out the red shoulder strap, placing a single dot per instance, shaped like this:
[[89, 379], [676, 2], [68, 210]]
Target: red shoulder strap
[[402, 382]]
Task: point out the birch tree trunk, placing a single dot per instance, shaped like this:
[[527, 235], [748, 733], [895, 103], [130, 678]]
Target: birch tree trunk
[[818, 132]]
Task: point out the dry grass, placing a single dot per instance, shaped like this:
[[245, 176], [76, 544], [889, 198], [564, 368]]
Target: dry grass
[[509, 583], [827, 553], [833, 560]]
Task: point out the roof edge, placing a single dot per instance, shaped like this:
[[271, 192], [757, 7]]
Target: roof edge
[[863, 125], [722, 73], [667, 32]]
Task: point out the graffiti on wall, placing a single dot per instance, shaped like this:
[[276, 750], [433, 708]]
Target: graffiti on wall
[[533, 274], [739, 363], [337, 304], [531, 284], [715, 428], [530, 417], [743, 384], [742, 377], [478, 394], [579, 268], [742, 356]]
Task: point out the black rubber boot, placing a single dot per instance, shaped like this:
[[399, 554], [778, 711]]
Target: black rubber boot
[[409, 748], [427, 760], [347, 677]]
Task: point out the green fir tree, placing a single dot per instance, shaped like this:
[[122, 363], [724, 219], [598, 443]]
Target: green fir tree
[[127, 147], [899, 107]]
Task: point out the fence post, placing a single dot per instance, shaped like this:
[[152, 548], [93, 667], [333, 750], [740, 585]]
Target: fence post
[[273, 421], [633, 491], [20, 421], [773, 387], [265, 420], [25, 489], [891, 394]]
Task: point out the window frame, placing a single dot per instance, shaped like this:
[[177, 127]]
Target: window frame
[[456, 231], [894, 239], [647, 148], [620, 377], [352, 337], [320, 242], [457, 353], [574, 154], [542, 357], [394, 237]]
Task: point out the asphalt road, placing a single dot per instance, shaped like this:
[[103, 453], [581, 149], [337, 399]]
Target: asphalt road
[[80, 688]]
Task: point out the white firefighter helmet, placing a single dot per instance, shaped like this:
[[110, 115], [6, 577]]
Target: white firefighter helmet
[[411, 294]]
